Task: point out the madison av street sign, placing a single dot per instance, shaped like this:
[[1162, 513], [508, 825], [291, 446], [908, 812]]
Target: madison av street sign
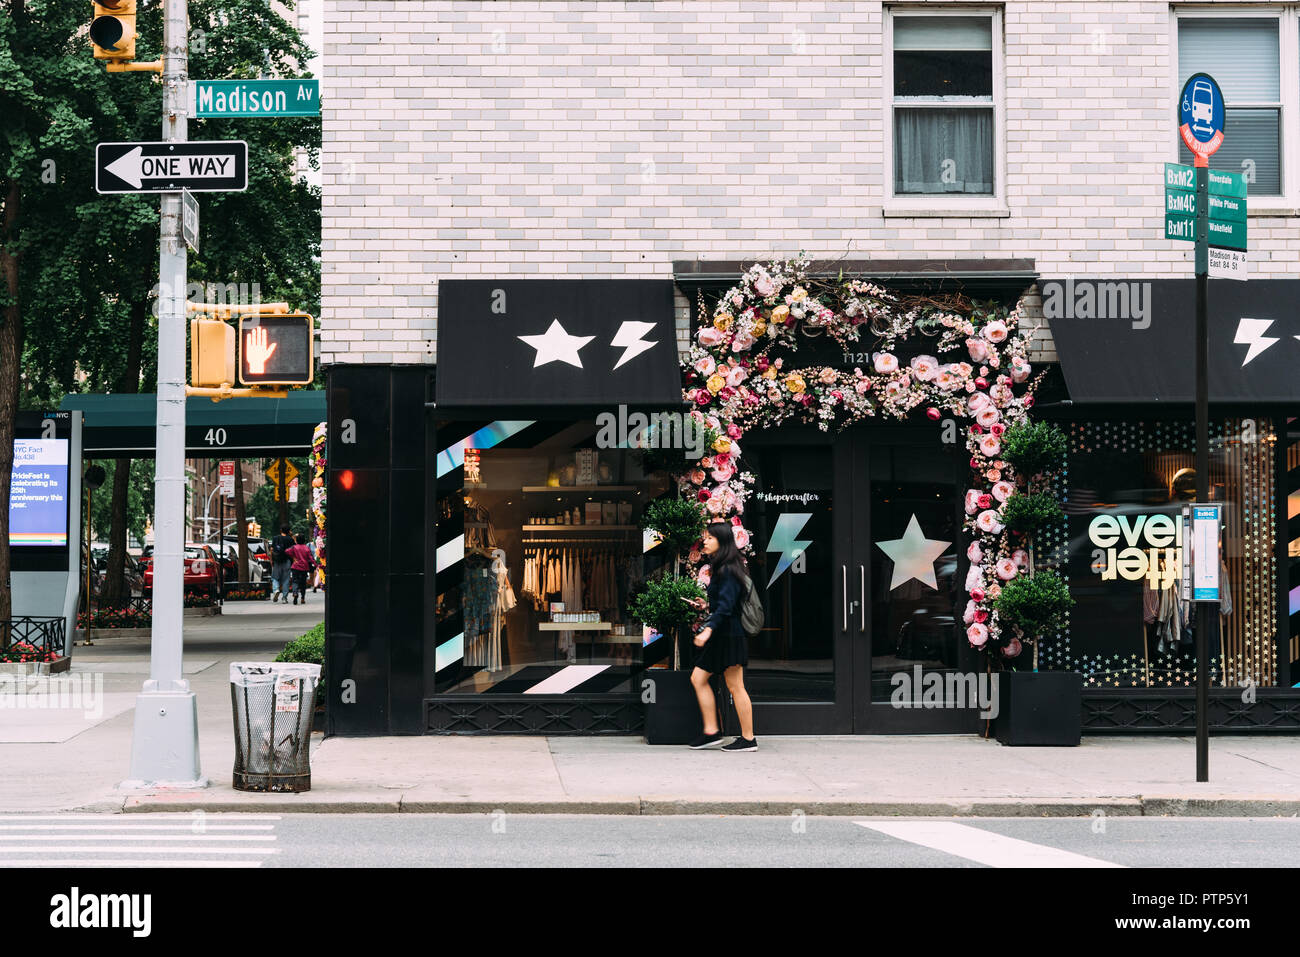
[[210, 98], [201, 166]]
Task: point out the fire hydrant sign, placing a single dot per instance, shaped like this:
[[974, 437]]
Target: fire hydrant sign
[[200, 166]]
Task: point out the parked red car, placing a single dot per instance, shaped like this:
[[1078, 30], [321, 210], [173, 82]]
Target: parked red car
[[202, 571]]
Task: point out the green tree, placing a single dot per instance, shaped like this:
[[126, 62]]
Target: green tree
[[265, 510], [80, 270]]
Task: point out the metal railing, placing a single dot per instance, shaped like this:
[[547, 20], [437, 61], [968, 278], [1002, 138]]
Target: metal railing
[[45, 634]]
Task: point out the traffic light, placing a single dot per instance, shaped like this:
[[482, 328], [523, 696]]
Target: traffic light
[[276, 349], [212, 354], [112, 31]]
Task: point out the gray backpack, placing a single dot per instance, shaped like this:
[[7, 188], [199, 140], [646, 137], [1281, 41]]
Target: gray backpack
[[751, 612]]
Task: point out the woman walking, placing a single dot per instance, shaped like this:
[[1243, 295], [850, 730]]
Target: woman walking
[[722, 641]]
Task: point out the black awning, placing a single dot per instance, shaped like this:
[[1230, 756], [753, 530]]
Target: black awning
[[1126, 340], [556, 342]]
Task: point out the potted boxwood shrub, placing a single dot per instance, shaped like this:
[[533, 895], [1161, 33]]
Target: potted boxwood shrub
[[1037, 707], [310, 648], [663, 603]]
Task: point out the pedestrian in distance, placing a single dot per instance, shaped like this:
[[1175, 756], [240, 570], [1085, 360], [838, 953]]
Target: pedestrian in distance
[[301, 564], [280, 562], [722, 641]]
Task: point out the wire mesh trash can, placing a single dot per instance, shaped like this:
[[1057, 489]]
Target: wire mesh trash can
[[273, 704]]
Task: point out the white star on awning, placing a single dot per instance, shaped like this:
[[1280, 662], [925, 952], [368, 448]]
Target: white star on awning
[[556, 345]]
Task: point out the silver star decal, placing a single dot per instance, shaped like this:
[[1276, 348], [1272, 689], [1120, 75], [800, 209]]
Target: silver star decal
[[914, 556]]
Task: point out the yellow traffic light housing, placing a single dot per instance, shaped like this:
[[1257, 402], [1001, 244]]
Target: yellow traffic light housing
[[212, 354], [112, 31]]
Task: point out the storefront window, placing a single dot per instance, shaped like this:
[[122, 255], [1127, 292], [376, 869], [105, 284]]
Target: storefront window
[[539, 547], [1124, 488]]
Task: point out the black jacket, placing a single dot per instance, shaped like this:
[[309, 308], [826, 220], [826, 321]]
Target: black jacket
[[726, 595]]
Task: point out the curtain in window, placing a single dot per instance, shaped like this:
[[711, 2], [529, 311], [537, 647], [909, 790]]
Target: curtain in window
[[943, 151]]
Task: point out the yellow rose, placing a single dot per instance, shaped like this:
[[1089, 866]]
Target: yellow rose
[[769, 373], [722, 444], [760, 327], [722, 322], [780, 314], [799, 294], [794, 382], [716, 382]]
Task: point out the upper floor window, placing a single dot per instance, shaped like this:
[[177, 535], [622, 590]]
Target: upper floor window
[[1243, 55], [945, 117]]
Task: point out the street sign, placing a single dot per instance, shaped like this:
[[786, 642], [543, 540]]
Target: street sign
[[1227, 208], [1201, 116], [1228, 264], [190, 220], [1178, 226], [202, 166], [276, 350], [1203, 553], [293, 490], [226, 471], [1227, 235], [216, 98], [273, 472], [1227, 184]]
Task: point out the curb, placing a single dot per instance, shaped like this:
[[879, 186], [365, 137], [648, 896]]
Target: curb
[[1234, 806]]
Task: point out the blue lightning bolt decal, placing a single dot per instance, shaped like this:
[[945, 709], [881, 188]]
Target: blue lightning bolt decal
[[784, 540]]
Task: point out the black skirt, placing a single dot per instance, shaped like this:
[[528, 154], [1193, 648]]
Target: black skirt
[[720, 652]]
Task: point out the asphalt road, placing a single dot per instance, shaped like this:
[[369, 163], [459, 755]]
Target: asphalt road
[[509, 840]]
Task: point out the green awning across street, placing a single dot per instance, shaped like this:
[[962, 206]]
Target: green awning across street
[[122, 426]]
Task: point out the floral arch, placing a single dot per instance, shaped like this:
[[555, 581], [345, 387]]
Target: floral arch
[[978, 373]]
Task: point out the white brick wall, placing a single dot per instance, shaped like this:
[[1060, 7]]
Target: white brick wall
[[606, 139]]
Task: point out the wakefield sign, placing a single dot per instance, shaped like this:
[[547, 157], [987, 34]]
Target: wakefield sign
[[219, 98]]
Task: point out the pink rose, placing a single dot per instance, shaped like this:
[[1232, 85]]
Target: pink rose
[[987, 521], [1012, 648], [764, 287], [933, 414], [737, 376], [723, 474], [709, 337], [705, 365], [702, 495], [977, 594], [884, 362], [990, 445], [697, 476], [978, 402], [978, 348], [995, 331], [1020, 557], [981, 615], [827, 376], [741, 536], [703, 397], [924, 367], [733, 431], [704, 575], [968, 616], [972, 501], [988, 417], [742, 343], [1006, 569], [974, 553], [1002, 490], [985, 501], [977, 634], [974, 579], [994, 591], [993, 475], [997, 428]]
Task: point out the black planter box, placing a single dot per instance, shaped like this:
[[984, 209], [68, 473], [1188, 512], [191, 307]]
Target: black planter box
[[673, 717], [1039, 708]]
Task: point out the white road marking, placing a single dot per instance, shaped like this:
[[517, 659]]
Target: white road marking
[[118, 849], [985, 847], [164, 839], [101, 863]]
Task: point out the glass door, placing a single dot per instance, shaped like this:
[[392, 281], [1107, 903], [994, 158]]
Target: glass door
[[914, 671], [800, 674]]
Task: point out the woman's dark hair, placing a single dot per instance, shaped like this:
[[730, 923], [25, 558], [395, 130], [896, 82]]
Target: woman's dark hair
[[727, 557], [302, 539]]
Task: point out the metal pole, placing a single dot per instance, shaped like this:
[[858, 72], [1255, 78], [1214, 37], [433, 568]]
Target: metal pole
[[1205, 609], [165, 746]]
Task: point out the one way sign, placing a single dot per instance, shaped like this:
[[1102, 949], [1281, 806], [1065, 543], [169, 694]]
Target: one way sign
[[201, 167]]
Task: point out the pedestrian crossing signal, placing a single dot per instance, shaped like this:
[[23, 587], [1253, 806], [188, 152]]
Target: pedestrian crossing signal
[[112, 31], [276, 350]]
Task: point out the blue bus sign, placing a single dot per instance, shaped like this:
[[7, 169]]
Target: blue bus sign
[[1201, 117]]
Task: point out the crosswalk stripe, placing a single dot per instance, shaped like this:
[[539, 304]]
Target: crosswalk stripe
[[115, 849], [984, 847], [143, 816], [154, 863], [197, 828], [140, 837]]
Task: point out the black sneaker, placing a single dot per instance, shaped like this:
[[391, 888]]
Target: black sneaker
[[706, 741], [742, 744]]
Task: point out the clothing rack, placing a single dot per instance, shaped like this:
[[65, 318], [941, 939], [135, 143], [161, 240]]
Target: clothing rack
[[605, 542]]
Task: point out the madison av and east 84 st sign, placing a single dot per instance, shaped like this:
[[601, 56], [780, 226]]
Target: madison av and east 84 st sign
[[215, 98]]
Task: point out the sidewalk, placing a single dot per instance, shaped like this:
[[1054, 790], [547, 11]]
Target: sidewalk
[[60, 760]]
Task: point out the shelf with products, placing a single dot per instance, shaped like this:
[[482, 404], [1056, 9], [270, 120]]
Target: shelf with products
[[594, 527], [578, 489]]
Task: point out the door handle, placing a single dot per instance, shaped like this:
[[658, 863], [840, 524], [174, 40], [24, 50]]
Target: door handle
[[844, 593], [862, 583]]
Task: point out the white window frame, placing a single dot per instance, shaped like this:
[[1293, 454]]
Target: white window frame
[[1287, 203], [912, 205]]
